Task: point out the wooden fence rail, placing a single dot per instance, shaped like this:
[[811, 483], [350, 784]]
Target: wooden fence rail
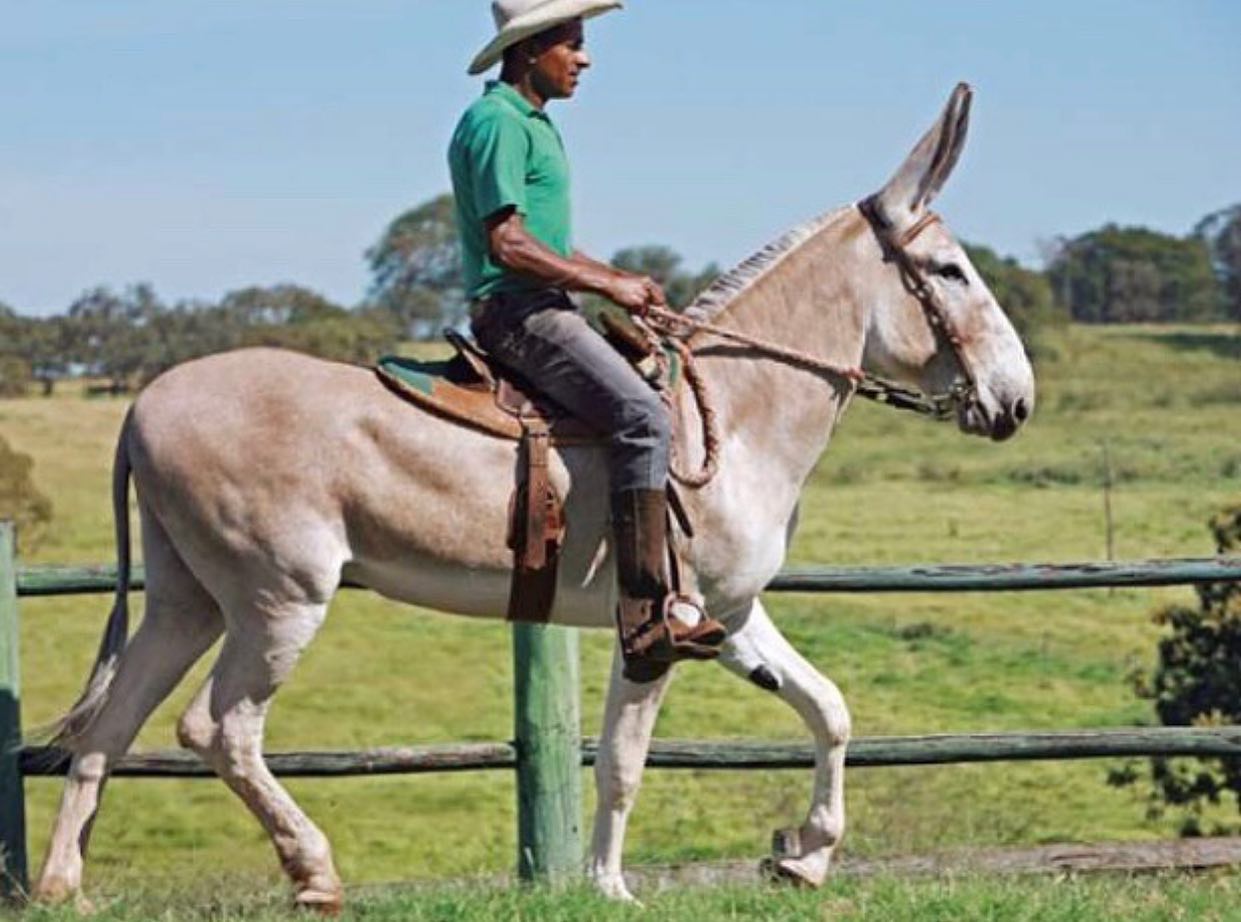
[[547, 750], [57, 581], [872, 752]]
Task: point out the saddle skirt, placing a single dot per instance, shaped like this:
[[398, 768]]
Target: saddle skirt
[[472, 390]]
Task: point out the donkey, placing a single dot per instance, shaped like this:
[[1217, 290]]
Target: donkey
[[265, 478]]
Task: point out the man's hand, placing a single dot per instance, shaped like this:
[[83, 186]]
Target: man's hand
[[635, 293], [658, 298]]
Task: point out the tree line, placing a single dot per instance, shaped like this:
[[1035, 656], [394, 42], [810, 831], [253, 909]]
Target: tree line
[[1135, 275], [1109, 275]]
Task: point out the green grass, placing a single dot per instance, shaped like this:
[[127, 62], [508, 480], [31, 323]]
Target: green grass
[[1213, 898], [893, 489]]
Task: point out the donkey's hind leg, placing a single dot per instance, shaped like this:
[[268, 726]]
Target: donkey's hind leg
[[181, 622], [224, 724], [629, 720], [759, 652]]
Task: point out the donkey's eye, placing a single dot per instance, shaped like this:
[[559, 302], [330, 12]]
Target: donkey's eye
[[952, 272]]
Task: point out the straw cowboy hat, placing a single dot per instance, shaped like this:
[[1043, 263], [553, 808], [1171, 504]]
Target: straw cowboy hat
[[519, 19]]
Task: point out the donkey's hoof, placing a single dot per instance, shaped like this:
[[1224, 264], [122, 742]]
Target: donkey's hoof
[[791, 872], [42, 896], [54, 892], [612, 887], [83, 906], [321, 902]]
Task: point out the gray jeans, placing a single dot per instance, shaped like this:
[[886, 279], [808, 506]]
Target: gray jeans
[[544, 339]]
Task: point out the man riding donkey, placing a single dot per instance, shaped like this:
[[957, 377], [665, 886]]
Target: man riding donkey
[[510, 177]]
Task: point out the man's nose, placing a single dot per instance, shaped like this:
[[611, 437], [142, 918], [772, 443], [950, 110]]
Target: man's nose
[[583, 60]]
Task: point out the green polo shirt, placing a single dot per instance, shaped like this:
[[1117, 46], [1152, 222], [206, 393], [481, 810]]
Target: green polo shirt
[[506, 153]]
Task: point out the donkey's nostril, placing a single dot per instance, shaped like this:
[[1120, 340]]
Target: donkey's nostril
[[1021, 410]]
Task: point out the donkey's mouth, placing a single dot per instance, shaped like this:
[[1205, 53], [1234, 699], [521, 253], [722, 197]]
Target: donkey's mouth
[[972, 418]]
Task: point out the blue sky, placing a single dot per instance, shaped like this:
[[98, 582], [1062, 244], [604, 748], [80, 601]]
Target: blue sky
[[203, 146]]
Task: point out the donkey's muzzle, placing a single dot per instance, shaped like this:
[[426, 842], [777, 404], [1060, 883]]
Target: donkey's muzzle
[[1009, 420]]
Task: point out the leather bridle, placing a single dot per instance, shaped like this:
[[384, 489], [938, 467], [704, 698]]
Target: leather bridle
[[678, 328], [915, 280]]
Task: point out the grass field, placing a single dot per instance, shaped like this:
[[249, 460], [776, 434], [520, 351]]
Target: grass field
[[892, 489], [1164, 898]]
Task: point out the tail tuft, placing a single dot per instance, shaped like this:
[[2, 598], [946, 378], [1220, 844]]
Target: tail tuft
[[65, 732]]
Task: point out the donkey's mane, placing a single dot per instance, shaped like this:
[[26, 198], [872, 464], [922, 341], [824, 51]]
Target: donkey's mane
[[729, 287]]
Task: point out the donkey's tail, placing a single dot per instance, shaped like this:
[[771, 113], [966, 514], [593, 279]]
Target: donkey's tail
[[65, 732]]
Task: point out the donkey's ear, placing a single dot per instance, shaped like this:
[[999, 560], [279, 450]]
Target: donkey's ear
[[930, 164]]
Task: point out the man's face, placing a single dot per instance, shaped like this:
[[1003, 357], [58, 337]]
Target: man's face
[[560, 58]]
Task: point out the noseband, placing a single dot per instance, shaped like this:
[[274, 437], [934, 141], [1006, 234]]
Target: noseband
[[915, 280]]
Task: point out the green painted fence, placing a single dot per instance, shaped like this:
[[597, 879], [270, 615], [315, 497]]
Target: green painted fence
[[12, 793], [1023, 577], [547, 750]]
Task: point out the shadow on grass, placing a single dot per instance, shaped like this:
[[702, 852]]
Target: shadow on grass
[[1223, 345]]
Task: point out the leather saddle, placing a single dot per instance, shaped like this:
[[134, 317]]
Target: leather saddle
[[472, 390]]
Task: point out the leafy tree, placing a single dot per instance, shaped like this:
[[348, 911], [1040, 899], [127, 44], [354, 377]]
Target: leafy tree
[[171, 335], [46, 347], [277, 305], [14, 368], [416, 268], [106, 332], [291, 317], [133, 337], [31, 349], [1196, 682], [1221, 232], [20, 501], [1128, 275], [10, 326], [15, 376], [1024, 294], [344, 338]]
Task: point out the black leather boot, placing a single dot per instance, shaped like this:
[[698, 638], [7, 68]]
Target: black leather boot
[[652, 638]]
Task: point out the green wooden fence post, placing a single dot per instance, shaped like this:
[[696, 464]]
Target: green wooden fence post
[[13, 880], [549, 752]]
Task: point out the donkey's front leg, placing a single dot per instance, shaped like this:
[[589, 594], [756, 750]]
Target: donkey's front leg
[[629, 720], [759, 653]]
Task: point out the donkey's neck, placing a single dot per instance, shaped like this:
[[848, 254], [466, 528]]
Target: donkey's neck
[[776, 418], [804, 298]]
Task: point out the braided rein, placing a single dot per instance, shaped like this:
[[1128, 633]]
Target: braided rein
[[658, 323], [661, 325]]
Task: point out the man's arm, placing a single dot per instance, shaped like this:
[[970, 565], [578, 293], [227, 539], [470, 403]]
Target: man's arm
[[657, 296], [514, 248], [579, 256]]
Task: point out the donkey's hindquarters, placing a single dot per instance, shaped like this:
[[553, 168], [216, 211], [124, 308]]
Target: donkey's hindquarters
[[128, 680]]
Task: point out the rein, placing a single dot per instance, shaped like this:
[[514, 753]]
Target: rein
[[678, 325], [658, 322]]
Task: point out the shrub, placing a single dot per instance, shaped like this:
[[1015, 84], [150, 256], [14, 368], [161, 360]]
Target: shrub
[[20, 501], [14, 376], [1197, 682]]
